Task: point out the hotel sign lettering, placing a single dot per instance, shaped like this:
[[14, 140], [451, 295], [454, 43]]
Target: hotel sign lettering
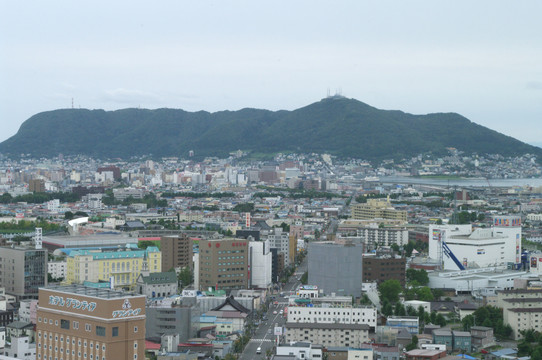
[[126, 310], [73, 303]]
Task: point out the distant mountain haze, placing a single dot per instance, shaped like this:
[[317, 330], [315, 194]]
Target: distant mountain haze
[[335, 125]]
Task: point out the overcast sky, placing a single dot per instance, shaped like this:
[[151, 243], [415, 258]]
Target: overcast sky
[[482, 59]]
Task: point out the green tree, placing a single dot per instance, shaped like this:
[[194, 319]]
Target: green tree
[[413, 344], [387, 309], [524, 348], [186, 276], [440, 320], [399, 310], [467, 322], [420, 276], [425, 294], [408, 249], [421, 312], [537, 353], [390, 290], [68, 215], [305, 278], [244, 207], [411, 311]]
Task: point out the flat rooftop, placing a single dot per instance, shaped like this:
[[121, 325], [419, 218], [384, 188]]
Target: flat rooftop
[[90, 291]]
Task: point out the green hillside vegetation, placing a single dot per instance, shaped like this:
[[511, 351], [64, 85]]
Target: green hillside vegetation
[[339, 126]]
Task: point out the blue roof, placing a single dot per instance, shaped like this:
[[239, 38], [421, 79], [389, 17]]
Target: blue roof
[[502, 352], [112, 254]]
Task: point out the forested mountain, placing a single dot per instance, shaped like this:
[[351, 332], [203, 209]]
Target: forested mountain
[[335, 125]]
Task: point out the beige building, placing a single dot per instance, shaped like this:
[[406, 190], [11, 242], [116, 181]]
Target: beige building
[[223, 264], [377, 209], [522, 309], [77, 322], [502, 295], [348, 335], [523, 319], [176, 252]]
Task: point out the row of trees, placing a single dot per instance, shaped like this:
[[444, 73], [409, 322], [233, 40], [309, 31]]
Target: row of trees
[[531, 344], [489, 316], [26, 225], [198, 195], [39, 198]]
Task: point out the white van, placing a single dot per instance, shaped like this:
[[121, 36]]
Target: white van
[[258, 350]]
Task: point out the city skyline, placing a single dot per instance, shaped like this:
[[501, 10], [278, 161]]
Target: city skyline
[[477, 59]]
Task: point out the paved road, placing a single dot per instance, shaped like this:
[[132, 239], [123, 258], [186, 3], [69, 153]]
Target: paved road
[[263, 335]]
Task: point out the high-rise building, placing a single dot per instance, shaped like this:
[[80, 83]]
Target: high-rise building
[[36, 185], [260, 260], [223, 264], [23, 271], [78, 322], [176, 252], [336, 268], [279, 239], [377, 209]]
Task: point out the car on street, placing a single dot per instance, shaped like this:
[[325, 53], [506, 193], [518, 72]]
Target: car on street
[[275, 312]]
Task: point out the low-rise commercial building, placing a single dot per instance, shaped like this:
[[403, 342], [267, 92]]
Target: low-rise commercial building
[[411, 323], [353, 335], [333, 315]]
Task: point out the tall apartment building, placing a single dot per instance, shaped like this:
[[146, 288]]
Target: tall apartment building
[[23, 271], [123, 265], [223, 264], [374, 237], [78, 322], [176, 252], [377, 209], [280, 240], [36, 185]]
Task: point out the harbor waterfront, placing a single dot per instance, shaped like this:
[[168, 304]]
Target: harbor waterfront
[[469, 182]]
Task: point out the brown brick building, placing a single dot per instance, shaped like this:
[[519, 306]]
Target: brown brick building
[[176, 252], [380, 269], [223, 264], [78, 322], [36, 185]]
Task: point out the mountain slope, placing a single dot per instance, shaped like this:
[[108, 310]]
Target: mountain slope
[[340, 126]]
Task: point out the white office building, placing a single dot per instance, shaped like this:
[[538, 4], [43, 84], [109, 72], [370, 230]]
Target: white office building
[[260, 264], [57, 269]]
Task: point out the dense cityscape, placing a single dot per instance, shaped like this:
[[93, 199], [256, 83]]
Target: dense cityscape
[[294, 256]]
